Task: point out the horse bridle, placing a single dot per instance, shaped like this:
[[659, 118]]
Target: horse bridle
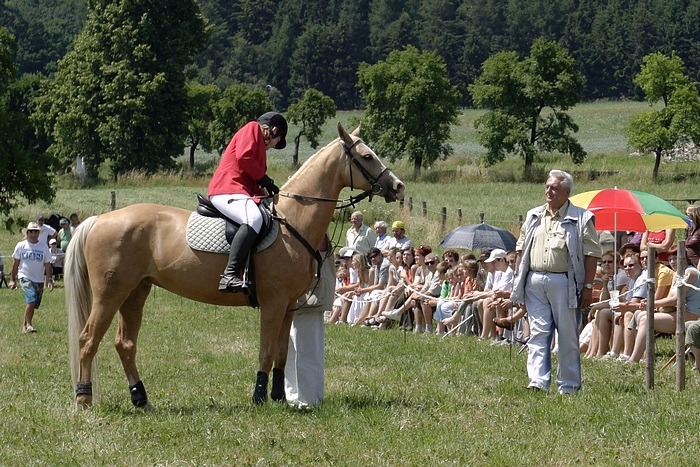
[[375, 188]]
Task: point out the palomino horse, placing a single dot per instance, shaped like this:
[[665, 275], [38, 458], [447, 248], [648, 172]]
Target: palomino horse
[[115, 258]]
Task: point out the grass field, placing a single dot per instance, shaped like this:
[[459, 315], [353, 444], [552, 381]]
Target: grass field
[[391, 399]]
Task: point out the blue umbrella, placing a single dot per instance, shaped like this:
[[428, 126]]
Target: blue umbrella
[[479, 237]]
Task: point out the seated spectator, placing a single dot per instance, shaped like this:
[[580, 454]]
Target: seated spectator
[[451, 257], [499, 299], [432, 286], [636, 292], [395, 296], [383, 238], [342, 279], [399, 239], [692, 340], [358, 295], [451, 292], [604, 281], [665, 309], [379, 280], [465, 309], [74, 221], [345, 292]]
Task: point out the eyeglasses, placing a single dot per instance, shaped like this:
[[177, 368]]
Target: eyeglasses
[[642, 257], [605, 261], [629, 266], [430, 262]]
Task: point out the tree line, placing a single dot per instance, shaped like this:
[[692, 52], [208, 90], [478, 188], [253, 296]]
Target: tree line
[[295, 45]]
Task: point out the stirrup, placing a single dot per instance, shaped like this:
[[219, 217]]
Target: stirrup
[[231, 284]]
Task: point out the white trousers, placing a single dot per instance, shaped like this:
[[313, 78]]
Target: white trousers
[[242, 209], [547, 302], [304, 371]]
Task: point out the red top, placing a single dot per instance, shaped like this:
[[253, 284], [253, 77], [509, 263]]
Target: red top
[[242, 164], [658, 237]]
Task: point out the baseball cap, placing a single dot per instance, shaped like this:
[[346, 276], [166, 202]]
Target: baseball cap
[[497, 253], [274, 119], [398, 225], [346, 252], [52, 241]]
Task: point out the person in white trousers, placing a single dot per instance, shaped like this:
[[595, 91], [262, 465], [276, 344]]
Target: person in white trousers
[[304, 372]]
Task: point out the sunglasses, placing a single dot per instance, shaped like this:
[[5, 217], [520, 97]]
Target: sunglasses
[[373, 256], [430, 262], [629, 266]]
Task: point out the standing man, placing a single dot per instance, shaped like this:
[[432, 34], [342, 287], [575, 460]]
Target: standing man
[[65, 234], [559, 251], [359, 237], [46, 232], [32, 260]]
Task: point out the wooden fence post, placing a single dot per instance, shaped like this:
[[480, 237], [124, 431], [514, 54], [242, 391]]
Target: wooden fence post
[[680, 321], [424, 208], [459, 216], [481, 217], [410, 204], [443, 213], [113, 200], [651, 290]]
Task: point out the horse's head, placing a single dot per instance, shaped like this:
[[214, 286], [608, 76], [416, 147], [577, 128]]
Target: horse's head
[[373, 174]]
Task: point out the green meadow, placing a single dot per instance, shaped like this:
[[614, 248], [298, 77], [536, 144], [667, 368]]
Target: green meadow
[[391, 398]]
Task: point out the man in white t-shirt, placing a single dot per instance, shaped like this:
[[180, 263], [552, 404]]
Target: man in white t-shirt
[[46, 231], [31, 266]]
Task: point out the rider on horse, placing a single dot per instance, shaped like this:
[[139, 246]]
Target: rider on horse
[[235, 188]]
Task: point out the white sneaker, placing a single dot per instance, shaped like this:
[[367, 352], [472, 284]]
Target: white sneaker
[[394, 314], [623, 358]]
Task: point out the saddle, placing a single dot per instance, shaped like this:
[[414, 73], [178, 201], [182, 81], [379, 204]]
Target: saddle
[[209, 230]]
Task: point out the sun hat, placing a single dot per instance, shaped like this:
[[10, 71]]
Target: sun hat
[[33, 226], [398, 225], [63, 221], [274, 119], [52, 241]]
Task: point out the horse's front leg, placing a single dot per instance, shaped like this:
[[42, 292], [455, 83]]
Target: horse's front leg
[[272, 317], [277, 393]]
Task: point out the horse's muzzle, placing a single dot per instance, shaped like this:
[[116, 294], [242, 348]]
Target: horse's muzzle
[[392, 187]]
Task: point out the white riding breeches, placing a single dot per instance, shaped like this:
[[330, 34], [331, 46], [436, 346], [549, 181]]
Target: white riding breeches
[[240, 208]]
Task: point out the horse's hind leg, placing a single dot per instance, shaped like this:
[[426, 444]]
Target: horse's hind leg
[[130, 317], [89, 341]]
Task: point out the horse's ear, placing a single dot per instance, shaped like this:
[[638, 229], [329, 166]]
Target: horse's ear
[[356, 132], [344, 135]]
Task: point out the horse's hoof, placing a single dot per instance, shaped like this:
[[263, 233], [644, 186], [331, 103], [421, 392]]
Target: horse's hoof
[[83, 402], [277, 393], [138, 395], [260, 392]]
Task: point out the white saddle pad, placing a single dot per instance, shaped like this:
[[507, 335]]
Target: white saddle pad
[[209, 234]]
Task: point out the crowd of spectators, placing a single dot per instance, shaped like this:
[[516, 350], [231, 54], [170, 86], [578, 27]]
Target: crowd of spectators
[[394, 283]]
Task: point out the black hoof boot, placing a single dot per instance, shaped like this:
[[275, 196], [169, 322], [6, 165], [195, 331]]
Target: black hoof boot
[[260, 392], [138, 395], [277, 393]]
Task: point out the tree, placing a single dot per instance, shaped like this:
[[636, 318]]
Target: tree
[[516, 94], [23, 173], [410, 105], [239, 105], [663, 78], [119, 95], [200, 116], [311, 112]]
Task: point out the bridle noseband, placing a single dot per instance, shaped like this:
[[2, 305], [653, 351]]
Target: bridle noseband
[[374, 187]]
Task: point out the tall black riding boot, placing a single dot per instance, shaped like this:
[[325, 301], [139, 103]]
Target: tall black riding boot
[[241, 244]]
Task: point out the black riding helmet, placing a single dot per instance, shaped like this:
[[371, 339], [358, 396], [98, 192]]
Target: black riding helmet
[[278, 126]]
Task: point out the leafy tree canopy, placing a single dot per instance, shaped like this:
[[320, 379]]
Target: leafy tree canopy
[[311, 112], [527, 101], [23, 173], [410, 106], [663, 78], [119, 95], [239, 105]]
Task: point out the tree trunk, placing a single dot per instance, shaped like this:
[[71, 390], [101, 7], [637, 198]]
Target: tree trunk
[[657, 152], [193, 147], [295, 157], [417, 162], [533, 141]]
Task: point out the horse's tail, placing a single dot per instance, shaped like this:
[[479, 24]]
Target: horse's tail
[[78, 296]]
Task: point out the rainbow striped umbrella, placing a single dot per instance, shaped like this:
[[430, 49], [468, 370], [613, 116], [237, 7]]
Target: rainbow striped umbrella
[[637, 211]]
